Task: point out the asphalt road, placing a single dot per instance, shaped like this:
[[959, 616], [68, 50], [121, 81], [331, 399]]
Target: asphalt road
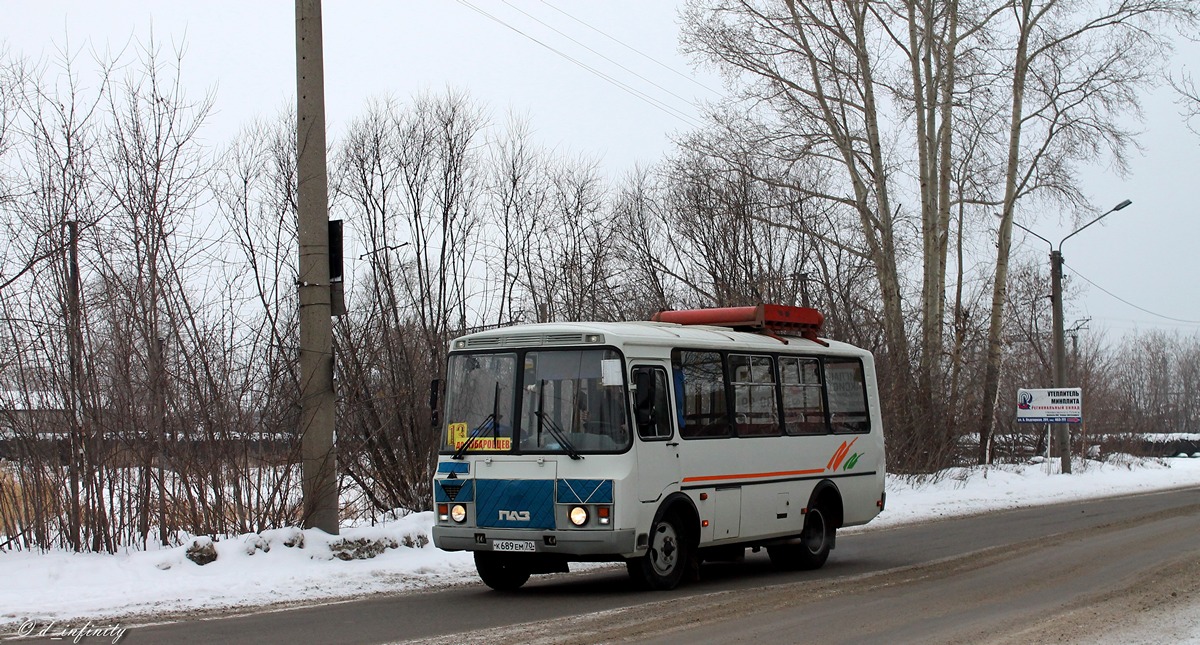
[[1048, 574]]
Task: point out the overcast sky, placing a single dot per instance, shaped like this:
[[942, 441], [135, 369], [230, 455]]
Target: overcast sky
[[244, 51]]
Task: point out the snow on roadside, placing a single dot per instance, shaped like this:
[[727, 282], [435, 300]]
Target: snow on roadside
[[977, 489], [68, 586], [259, 569]]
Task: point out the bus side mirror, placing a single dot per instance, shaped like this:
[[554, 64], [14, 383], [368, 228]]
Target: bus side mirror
[[644, 397]]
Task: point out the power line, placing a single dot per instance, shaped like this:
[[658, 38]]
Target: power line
[[570, 38], [1142, 309], [635, 50], [1137, 324], [636, 93]]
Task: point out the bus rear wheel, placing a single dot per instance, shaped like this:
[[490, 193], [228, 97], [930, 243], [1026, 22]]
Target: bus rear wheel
[[667, 558], [813, 550], [501, 571]]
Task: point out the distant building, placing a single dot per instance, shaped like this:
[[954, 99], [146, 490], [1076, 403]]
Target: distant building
[[22, 413]]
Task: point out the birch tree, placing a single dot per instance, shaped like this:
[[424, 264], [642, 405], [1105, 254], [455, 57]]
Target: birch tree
[[894, 110], [1072, 74]]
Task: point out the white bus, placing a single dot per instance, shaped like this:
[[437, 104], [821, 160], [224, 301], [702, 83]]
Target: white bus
[[661, 444]]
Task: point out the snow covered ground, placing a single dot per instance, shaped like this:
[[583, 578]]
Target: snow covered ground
[[261, 569]]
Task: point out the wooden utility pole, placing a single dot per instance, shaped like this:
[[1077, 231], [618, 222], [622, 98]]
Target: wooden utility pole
[[74, 351], [316, 328]]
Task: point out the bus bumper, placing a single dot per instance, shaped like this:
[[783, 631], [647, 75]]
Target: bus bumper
[[614, 543]]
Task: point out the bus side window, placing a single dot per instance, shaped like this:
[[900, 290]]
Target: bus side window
[[847, 395], [652, 403], [803, 409], [705, 409], [755, 409]]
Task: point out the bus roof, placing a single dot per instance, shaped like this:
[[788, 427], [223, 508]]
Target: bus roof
[[642, 333]]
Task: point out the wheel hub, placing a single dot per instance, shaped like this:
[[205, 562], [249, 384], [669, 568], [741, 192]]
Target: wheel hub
[[665, 550]]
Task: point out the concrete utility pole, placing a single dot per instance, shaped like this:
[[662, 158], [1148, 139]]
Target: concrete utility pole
[[1061, 430], [1062, 434], [316, 328]]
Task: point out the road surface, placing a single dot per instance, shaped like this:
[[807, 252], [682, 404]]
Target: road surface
[[1067, 573]]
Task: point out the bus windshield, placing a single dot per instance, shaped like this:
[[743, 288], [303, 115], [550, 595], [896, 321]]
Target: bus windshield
[[572, 402], [479, 402]]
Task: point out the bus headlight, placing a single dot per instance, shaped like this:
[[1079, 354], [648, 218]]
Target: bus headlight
[[458, 513], [578, 515]]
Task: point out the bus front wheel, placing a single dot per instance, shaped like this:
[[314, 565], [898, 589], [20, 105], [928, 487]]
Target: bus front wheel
[[813, 549], [667, 558], [501, 571]]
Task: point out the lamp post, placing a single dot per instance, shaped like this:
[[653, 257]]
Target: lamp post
[[1061, 433]]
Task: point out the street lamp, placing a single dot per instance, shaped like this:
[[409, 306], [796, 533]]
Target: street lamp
[[1062, 435]]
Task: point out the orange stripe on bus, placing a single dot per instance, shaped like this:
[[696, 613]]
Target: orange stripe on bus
[[834, 458], [838, 456], [709, 478]]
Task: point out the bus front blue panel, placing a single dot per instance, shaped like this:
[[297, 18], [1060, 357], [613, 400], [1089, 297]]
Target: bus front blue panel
[[585, 491], [453, 490], [514, 503]]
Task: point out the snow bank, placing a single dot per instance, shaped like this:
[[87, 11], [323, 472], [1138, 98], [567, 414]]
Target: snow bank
[[250, 570], [977, 489], [289, 564]]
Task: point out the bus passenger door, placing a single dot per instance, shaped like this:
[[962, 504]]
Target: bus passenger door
[[657, 444]]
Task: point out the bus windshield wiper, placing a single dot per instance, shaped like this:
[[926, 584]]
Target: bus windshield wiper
[[559, 435], [475, 434], [556, 430], [483, 426]]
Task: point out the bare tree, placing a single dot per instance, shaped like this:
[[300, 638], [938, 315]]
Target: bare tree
[[1189, 99], [518, 195], [1187, 96], [155, 172], [115, 269], [412, 177], [808, 74], [724, 219], [255, 190], [644, 249], [1071, 75], [57, 199], [10, 87], [916, 100], [569, 273]]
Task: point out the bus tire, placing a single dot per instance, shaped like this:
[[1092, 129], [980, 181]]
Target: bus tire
[[501, 571], [813, 550], [667, 558]]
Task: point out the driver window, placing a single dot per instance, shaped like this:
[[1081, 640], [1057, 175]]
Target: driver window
[[660, 427]]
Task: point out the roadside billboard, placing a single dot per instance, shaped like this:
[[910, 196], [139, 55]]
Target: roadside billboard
[[1058, 405]]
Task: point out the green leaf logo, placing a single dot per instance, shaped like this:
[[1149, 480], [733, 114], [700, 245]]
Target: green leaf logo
[[851, 461]]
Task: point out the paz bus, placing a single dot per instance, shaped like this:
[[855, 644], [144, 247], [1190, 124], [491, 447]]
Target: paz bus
[[661, 444]]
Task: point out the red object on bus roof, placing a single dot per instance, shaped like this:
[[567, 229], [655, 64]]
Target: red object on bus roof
[[770, 318]]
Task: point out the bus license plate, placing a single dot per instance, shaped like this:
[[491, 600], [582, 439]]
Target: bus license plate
[[513, 545]]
